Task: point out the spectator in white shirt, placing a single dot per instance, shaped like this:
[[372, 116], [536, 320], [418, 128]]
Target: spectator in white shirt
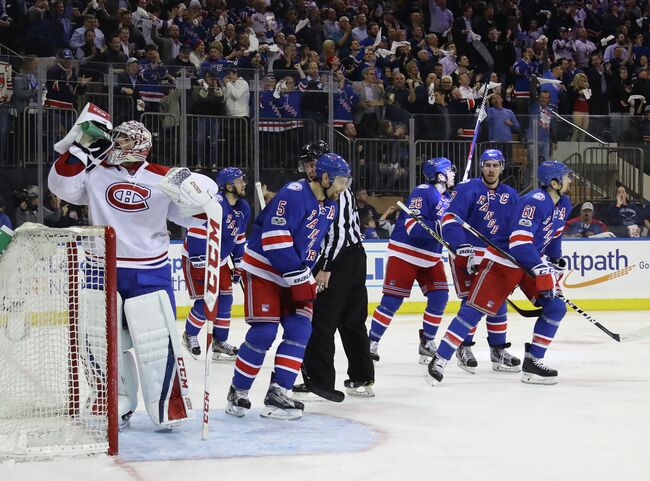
[[78, 36], [360, 32], [584, 48], [237, 94]]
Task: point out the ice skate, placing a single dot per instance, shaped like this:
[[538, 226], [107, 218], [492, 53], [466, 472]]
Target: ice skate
[[374, 346], [435, 370], [465, 359], [191, 343], [427, 349], [222, 351], [278, 405], [535, 372], [238, 402], [502, 360], [302, 393], [359, 388]]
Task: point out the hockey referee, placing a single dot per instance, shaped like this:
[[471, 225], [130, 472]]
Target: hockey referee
[[343, 300]]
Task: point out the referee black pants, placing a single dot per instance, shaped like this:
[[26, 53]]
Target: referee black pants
[[343, 306]]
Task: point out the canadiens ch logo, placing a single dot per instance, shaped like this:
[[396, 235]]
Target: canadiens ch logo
[[128, 197]]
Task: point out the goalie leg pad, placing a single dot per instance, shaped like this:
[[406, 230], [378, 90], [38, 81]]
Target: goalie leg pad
[[165, 390]]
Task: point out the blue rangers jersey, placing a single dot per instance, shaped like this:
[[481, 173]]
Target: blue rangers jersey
[[344, 101], [487, 210], [523, 70], [288, 233], [409, 241], [269, 111], [233, 232], [535, 229]]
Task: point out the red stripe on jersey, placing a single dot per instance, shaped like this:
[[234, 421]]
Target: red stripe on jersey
[[242, 366], [198, 231], [260, 265], [409, 224], [414, 253], [68, 170], [521, 238], [288, 362], [157, 169], [276, 239]]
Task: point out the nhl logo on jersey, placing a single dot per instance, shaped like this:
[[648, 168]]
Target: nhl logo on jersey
[[490, 304], [266, 307], [128, 197]]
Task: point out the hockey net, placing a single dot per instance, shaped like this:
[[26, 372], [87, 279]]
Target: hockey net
[[58, 364]]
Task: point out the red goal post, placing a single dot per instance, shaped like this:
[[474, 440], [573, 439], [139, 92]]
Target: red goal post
[[58, 343]]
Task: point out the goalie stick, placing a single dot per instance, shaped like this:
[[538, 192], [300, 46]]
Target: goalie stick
[[487, 58], [633, 336], [434, 234], [210, 295]]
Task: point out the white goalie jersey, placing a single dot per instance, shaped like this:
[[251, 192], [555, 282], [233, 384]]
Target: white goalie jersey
[[129, 200]]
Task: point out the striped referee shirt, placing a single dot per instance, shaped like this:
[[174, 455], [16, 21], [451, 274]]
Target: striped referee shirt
[[344, 231]]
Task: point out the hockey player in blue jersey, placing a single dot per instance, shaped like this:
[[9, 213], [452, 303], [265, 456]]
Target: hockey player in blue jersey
[[413, 254], [534, 239], [486, 204], [279, 287], [236, 213]]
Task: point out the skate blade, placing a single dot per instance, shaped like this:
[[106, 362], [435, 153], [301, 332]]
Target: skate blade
[[306, 396], [535, 379], [425, 359], [272, 412], [497, 366], [365, 391], [220, 357], [432, 381], [237, 411], [471, 370], [192, 355]]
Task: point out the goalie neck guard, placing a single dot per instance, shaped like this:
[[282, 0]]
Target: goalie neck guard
[[132, 143]]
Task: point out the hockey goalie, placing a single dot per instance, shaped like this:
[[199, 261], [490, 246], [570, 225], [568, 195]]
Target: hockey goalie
[[106, 169]]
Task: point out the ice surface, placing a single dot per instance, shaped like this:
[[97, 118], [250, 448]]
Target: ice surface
[[594, 425]]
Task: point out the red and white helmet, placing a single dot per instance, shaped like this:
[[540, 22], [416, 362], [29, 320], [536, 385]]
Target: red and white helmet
[[136, 149]]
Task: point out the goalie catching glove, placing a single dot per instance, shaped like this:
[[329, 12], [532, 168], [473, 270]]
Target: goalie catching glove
[[302, 284], [94, 154]]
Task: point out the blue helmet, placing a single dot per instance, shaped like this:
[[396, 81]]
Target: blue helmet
[[493, 154], [549, 170], [333, 165], [229, 174], [433, 167]]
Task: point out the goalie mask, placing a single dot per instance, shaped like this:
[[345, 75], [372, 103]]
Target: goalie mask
[[132, 143]]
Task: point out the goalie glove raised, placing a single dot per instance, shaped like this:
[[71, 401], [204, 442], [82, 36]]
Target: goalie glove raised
[[189, 190], [94, 154]]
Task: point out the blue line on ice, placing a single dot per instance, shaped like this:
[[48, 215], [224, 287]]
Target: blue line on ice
[[249, 436]]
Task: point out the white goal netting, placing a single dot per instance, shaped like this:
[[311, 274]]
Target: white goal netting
[[57, 300]]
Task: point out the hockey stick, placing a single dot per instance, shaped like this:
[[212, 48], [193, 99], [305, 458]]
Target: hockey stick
[[640, 334], [576, 127], [260, 195], [434, 234], [329, 394], [210, 295], [487, 58]]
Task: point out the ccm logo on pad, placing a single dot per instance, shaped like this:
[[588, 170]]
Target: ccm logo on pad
[[128, 197]]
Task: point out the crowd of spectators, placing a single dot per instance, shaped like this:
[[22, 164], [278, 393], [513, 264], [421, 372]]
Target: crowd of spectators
[[388, 60]]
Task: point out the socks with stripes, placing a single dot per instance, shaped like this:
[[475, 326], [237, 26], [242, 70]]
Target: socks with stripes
[[195, 319], [383, 315], [222, 322], [553, 310], [466, 320], [497, 327], [436, 302], [251, 354]]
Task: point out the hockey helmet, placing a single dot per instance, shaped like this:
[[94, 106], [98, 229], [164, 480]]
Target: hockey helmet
[[135, 146], [228, 175], [551, 169], [439, 165], [311, 151], [492, 154], [333, 165]]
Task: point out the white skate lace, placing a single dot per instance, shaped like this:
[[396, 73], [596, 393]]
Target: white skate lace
[[539, 364], [193, 341]]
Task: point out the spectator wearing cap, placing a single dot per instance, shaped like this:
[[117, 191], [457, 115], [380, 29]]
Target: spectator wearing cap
[[624, 218], [128, 84], [440, 18], [78, 36], [182, 61], [585, 224], [563, 46]]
